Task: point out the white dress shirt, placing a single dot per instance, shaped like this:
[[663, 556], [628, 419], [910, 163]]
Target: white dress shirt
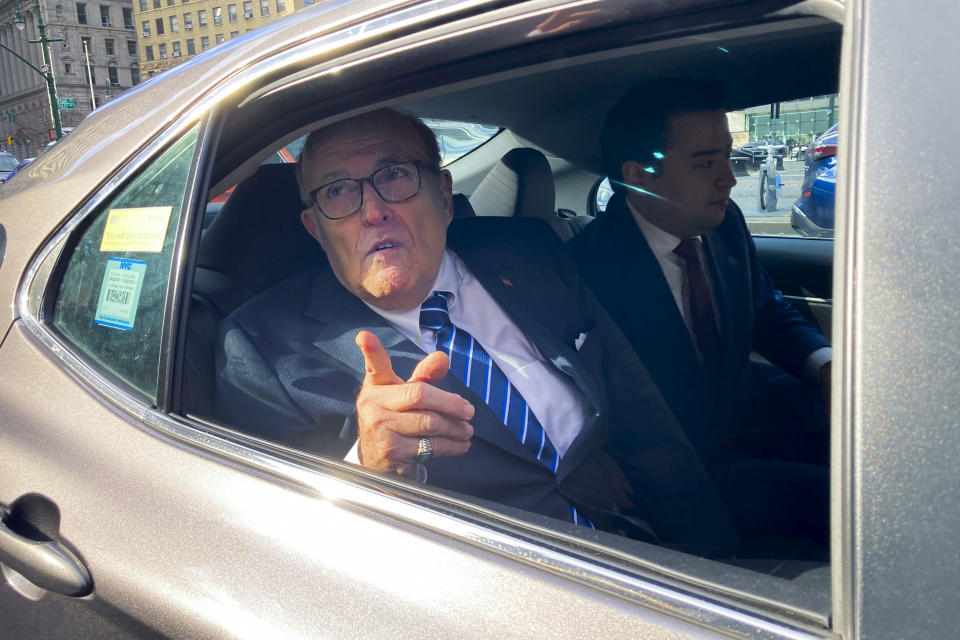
[[553, 397], [662, 243]]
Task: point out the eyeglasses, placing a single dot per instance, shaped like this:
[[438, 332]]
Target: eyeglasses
[[394, 183]]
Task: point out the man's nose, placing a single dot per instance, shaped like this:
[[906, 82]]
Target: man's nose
[[727, 179], [374, 209]]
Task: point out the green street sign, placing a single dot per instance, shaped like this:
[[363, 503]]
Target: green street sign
[[64, 103]]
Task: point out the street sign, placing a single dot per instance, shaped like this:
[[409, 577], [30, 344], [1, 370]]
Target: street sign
[[64, 104]]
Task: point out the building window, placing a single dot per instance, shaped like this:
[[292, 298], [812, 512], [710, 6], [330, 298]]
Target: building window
[[219, 38], [202, 17], [232, 12], [127, 18], [81, 13], [110, 46], [163, 51], [264, 7], [191, 47], [131, 47], [188, 21], [149, 51], [68, 68], [248, 9], [156, 4], [281, 6], [59, 12], [174, 24], [170, 3], [217, 15], [112, 74], [134, 75], [104, 16], [146, 28], [86, 44], [176, 49], [307, 3], [204, 43], [234, 34], [159, 23], [143, 5]]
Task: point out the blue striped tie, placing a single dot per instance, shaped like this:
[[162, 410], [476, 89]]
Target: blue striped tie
[[470, 362]]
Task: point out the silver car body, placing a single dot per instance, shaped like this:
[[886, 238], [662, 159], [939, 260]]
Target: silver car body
[[169, 528]]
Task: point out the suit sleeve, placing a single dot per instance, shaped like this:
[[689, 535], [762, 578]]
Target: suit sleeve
[[780, 333], [251, 398]]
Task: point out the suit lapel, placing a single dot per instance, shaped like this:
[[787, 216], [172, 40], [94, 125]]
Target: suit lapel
[[646, 308], [731, 292], [531, 303]]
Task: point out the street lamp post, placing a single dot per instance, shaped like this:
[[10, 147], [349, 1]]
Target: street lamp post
[[47, 70]]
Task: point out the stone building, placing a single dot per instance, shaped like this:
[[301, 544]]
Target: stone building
[[100, 36], [171, 31]]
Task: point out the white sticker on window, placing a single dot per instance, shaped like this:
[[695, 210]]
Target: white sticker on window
[[120, 293], [142, 229]]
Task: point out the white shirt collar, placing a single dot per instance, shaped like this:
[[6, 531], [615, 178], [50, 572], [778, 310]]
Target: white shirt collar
[[661, 242]]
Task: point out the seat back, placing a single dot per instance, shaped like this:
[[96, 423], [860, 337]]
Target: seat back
[[521, 185], [255, 241]]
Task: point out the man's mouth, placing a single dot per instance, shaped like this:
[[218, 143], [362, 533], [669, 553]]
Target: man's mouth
[[383, 246]]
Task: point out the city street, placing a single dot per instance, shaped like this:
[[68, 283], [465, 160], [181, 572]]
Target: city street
[[746, 193]]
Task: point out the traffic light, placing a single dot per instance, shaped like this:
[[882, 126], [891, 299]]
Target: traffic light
[[10, 140], [51, 134], [28, 141]]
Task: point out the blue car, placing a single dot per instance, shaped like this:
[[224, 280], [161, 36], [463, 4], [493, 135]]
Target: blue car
[[813, 211], [8, 166]]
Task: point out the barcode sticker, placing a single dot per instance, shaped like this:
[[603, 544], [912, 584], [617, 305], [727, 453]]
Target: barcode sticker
[[120, 293]]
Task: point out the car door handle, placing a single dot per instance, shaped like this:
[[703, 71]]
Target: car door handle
[[47, 564]]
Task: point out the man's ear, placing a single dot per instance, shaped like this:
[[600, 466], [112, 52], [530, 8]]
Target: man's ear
[[310, 222], [636, 174], [446, 192]]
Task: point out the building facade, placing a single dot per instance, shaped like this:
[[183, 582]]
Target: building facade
[[95, 59], [171, 31]]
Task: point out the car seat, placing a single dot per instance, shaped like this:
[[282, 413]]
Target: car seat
[[521, 185]]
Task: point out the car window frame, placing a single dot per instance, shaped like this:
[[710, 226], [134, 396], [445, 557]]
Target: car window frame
[[323, 114]]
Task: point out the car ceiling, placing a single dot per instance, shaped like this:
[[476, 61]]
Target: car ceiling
[[559, 104]]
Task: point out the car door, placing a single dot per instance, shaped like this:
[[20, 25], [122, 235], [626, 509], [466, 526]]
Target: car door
[[123, 518]]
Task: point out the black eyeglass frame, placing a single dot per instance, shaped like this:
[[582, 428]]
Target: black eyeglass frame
[[419, 164]]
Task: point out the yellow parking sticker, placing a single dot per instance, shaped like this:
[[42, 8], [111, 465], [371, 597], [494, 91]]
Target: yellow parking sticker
[[141, 229], [120, 293]]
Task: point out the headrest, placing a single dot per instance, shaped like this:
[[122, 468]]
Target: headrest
[[520, 185], [257, 237], [461, 207]]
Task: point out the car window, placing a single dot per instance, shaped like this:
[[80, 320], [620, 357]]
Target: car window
[[783, 187], [784, 160], [111, 299], [457, 139]]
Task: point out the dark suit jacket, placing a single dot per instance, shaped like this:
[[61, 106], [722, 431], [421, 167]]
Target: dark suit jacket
[[620, 268], [289, 370]]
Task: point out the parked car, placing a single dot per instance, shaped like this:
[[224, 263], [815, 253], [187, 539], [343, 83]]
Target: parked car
[[813, 211], [758, 150], [8, 166], [128, 509]]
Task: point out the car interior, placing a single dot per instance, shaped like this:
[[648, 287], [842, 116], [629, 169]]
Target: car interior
[[545, 101]]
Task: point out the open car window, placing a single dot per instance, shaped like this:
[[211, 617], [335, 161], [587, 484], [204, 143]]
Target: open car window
[[259, 246]]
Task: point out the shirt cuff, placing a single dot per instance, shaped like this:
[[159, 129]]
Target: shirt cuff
[[814, 362], [353, 456]]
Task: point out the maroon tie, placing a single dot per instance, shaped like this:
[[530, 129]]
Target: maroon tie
[[701, 306]]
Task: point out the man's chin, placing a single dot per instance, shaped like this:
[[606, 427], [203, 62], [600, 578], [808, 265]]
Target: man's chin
[[390, 288]]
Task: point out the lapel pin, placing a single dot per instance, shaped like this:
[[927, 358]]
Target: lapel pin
[[506, 281]]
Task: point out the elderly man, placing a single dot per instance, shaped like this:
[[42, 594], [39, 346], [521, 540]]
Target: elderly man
[[672, 261], [466, 355]]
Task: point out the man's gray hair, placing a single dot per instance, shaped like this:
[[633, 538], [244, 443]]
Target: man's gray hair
[[317, 137]]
